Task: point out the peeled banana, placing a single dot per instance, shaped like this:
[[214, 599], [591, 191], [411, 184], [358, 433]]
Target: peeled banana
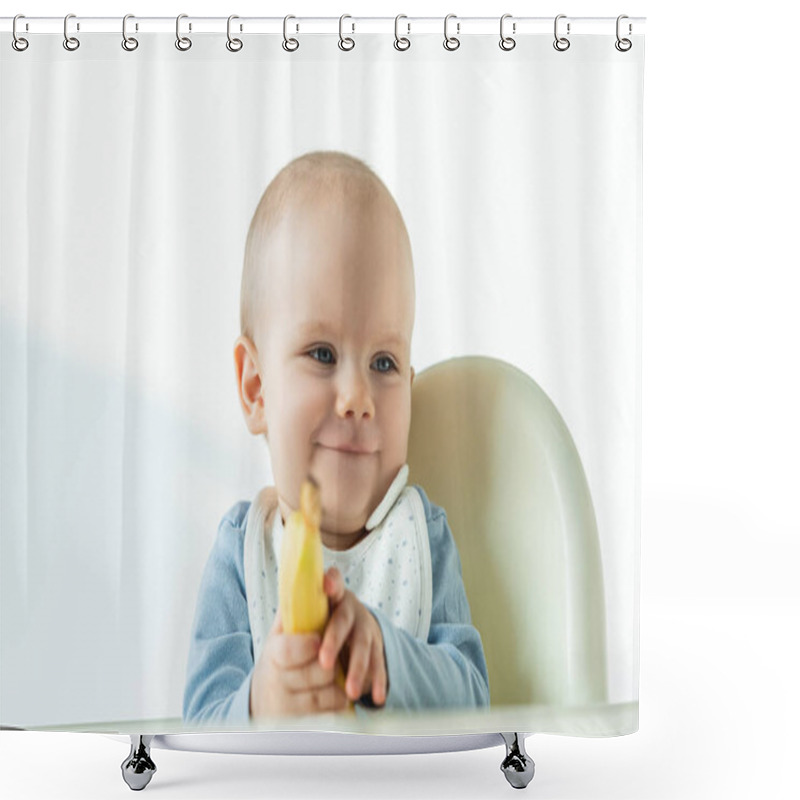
[[303, 602]]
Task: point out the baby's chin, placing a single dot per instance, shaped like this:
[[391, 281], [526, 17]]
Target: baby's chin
[[343, 521], [347, 500]]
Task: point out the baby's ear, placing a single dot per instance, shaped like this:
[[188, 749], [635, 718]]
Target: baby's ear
[[248, 383]]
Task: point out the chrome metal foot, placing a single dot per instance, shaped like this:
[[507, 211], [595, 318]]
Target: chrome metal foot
[[517, 766], [138, 768]]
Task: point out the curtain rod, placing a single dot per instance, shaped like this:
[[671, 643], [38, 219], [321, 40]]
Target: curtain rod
[[324, 25]]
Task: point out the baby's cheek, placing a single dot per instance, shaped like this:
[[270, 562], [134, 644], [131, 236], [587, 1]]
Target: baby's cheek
[[398, 421]]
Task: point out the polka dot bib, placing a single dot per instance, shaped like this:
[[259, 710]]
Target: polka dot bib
[[388, 570]]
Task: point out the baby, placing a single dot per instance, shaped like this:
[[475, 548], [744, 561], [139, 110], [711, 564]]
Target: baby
[[323, 372]]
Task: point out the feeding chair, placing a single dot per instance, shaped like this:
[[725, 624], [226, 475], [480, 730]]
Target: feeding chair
[[489, 447]]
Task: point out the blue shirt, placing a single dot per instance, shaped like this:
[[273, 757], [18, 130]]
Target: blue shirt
[[447, 671]]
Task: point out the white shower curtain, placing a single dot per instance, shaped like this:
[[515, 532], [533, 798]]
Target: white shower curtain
[[129, 180]]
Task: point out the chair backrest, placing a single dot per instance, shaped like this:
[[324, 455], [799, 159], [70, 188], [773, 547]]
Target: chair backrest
[[489, 447]]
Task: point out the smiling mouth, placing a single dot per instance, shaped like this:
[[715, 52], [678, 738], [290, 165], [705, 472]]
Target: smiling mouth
[[347, 451]]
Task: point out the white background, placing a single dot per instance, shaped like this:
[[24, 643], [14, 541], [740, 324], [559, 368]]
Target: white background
[[720, 527]]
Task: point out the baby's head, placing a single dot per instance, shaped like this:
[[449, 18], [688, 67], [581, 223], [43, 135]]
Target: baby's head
[[327, 313]]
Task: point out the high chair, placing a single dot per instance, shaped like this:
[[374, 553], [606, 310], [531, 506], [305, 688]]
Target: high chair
[[488, 446]]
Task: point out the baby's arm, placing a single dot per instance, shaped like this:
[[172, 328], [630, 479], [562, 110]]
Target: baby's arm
[[220, 663], [449, 670]]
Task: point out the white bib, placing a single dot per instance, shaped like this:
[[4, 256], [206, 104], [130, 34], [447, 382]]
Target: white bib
[[389, 569]]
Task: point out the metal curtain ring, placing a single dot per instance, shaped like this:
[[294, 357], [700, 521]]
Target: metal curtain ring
[[290, 45], [451, 42], [506, 42], [561, 43], [401, 43], [623, 45], [18, 43], [234, 45], [181, 42], [128, 42], [346, 43], [70, 42]]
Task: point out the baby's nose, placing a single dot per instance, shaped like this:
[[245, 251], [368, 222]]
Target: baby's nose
[[355, 397]]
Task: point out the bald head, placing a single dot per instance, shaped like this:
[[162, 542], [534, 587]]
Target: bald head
[[320, 182]]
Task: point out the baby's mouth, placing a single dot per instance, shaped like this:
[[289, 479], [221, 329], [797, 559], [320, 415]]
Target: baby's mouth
[[347, 449]]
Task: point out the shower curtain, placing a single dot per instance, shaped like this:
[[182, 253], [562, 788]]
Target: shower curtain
[[130, 178]]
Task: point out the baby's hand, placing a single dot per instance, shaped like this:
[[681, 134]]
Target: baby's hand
[[288, 678], [355, 630]]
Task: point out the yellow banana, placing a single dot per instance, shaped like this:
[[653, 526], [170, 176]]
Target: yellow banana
[[303, 602]]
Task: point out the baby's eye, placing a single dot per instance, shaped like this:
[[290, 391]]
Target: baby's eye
[[327, 355], [385, 360]]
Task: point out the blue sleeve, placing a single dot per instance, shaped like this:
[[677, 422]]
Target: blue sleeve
[[220, 663], [449, 670]]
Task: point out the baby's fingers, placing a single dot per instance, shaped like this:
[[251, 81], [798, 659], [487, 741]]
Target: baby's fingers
[[336, 633], [379, 679], [357, 667], [333, 585], [292, 650], [309, 676], [318, 700], [367, 669]]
